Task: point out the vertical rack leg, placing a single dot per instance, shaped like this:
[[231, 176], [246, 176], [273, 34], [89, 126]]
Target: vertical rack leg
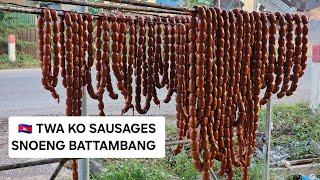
[[83, 164], [218, 3], [315, 69], [267, 144]]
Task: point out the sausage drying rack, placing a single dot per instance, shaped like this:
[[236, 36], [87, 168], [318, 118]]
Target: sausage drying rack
[[137, 7]]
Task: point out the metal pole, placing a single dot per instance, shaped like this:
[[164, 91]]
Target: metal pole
[[83, 164], [267, 143]]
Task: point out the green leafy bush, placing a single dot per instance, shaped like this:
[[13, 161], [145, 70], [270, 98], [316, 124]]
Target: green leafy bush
[[181, 166], [294, 128], [131, 170], [22, 61]]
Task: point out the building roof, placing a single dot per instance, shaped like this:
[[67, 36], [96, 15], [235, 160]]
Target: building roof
[[277, 6]]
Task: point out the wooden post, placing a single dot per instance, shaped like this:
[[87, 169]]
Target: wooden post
[[58, 169], [267, 143]]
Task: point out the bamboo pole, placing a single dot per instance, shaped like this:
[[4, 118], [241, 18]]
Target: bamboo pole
[[34, 10], [31, 163], [128, 2], [20, 9], [177, 142], [116, 6], [58, 169]]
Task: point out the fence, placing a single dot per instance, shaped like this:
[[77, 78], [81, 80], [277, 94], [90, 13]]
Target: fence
[[26, 37], [30, 36]]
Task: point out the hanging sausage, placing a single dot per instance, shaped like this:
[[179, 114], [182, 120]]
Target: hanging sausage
[[172, 82], [48, 80], [269, 77], [151, 61], [216, 61], [158, 64], [297, 68], [131, 58]]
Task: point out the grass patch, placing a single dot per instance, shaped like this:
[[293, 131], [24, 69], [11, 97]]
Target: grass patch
[[180, 166], [170, 167], [22, 61], [295, 128], [171, 128], [131, 169]]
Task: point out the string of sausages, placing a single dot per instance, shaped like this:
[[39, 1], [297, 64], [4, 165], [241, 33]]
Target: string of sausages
[[220, 66]]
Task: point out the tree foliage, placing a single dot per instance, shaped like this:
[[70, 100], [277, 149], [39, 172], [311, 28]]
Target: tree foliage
[[12, 22]]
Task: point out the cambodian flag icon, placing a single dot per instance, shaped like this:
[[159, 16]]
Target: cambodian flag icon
[[25, 128]]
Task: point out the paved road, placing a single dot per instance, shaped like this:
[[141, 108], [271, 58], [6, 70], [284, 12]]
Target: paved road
[[21, 93]]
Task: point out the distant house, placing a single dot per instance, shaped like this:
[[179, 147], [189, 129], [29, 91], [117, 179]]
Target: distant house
[[305, 5], [260, 5], [276, 6]]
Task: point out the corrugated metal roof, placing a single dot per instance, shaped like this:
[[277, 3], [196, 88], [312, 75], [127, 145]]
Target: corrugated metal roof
[[277, 6]]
